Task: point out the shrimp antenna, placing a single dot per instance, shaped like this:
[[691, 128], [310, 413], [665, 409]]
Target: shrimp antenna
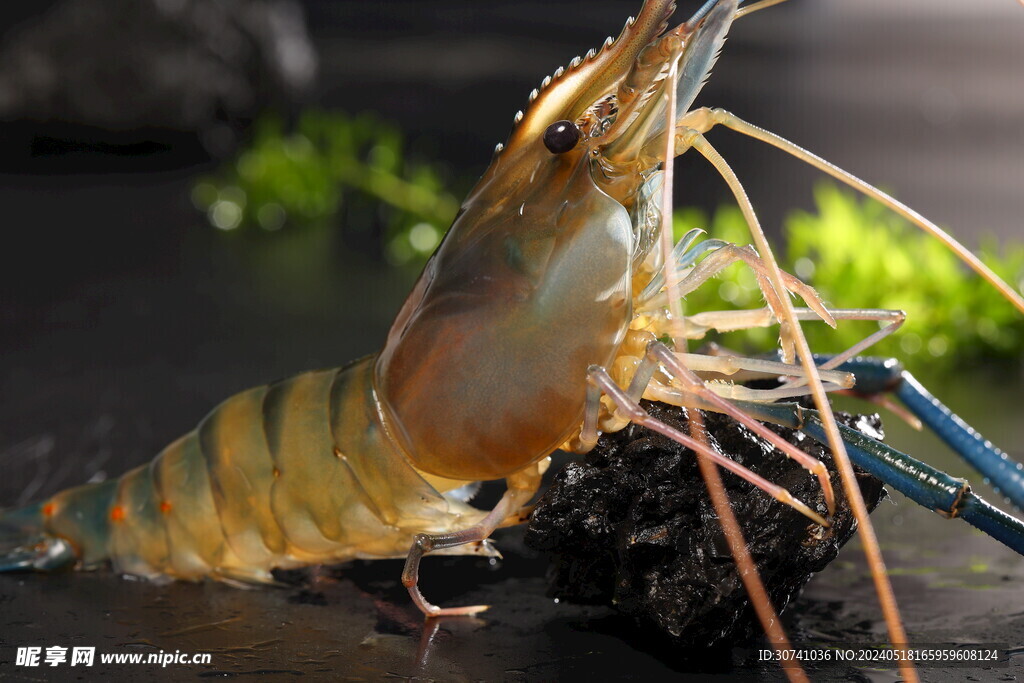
[[699, 15], [763, 4]]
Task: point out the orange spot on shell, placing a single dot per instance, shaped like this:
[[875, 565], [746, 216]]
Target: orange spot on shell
[[277, 473], [165, 507], [116, 513], [49, 509]]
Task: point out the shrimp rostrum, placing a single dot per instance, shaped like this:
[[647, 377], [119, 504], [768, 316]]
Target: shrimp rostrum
[[540, 321]]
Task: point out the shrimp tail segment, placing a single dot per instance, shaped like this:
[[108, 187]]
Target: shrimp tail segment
[[36, 538]]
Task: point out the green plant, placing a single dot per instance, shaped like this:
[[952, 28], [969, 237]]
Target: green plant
[[857, 254], [301, 178]]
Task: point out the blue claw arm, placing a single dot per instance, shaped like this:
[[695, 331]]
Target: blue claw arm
[[1005, 475], [876, 376], [922, 483]]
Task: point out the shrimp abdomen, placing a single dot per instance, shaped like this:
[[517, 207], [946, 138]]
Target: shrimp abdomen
[[300, 472]]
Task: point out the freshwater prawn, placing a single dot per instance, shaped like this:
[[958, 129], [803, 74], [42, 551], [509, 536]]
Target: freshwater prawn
[[551, 306]]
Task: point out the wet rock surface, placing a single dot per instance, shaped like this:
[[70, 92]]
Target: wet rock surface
[[632, 527]]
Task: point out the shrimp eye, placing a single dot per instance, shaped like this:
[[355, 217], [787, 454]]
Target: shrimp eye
[[561, 136]]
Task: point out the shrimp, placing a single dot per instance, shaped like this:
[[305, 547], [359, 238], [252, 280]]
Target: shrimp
[[543, 308]]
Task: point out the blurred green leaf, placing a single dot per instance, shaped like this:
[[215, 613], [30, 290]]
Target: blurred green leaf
[[300, 178], [857, 254]]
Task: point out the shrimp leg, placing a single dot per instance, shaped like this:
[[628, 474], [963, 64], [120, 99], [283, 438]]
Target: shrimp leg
[[791, 331], [728, 321], [725, 256], [521, 487], [600, 382], [658, 352]]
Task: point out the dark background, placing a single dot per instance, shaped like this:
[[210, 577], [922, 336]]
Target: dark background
[[124, 317]]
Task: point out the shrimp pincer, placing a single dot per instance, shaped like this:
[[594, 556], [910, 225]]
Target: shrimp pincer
[[552, 306]]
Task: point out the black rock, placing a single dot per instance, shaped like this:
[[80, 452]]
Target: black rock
[[633, 527]]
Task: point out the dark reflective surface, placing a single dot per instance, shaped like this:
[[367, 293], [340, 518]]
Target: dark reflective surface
[[356, 622]]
